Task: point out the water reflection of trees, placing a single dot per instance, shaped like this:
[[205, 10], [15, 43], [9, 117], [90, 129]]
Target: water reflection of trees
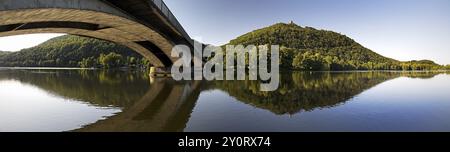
[[163, 105], [160, 106], [100, 88], [420, 74], [305, 91], [297, 91]]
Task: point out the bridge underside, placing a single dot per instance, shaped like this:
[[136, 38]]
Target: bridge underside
[[90, 18]]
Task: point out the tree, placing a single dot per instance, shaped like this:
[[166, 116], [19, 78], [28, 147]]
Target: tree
[[328, 62], [88, 62], [131, 61], [111, 60], [308, 62], [145, 63], [287, 56], [297, 62]]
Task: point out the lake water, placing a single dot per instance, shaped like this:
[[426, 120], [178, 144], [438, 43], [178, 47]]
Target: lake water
[[90, 100]]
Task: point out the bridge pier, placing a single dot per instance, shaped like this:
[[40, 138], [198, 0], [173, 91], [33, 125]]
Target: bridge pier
[[160, 72]]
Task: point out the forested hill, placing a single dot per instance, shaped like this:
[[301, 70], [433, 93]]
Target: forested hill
[[4, 52], [306, 48], [73, 51]]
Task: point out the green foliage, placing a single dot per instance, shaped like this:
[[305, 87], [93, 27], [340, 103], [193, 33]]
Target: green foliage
[[308, 61], [111, 60], [306, 48], [294, 36], [71, 51], [89, 62], [420, 65], [4, 53], [131, 61]]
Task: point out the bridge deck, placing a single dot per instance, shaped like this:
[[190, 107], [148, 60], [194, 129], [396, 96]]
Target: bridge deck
[[150, 11]]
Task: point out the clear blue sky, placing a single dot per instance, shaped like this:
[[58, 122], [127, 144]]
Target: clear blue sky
[[400, 29]]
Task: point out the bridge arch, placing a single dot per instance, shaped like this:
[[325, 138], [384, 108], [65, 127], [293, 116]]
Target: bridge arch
[[90, 18]]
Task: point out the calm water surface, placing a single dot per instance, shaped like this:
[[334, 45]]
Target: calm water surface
[[90, 100]]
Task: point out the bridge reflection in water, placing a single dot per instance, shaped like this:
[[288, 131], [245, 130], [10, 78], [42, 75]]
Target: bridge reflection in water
[[163, 104], [165, 107]]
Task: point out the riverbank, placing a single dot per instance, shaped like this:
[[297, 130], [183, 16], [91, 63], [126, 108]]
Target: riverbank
[[281, 70], [70, 68]]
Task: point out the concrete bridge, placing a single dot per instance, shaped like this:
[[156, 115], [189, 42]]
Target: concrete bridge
[[146, 26]]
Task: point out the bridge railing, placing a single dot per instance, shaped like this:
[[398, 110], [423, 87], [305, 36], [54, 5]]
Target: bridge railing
[[171, 18]]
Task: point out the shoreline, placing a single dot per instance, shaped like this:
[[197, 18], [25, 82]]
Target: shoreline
[[67, 68], [281, 70], [50, 68]]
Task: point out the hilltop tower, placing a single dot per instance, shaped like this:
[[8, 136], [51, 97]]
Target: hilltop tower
[[292, 22]]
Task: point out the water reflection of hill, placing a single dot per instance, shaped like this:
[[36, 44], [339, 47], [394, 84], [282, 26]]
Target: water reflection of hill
[[304, 91], [166, 105], [100, 88]]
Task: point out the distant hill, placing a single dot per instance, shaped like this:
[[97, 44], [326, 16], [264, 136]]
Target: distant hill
[[306, 48], [67, 51]]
